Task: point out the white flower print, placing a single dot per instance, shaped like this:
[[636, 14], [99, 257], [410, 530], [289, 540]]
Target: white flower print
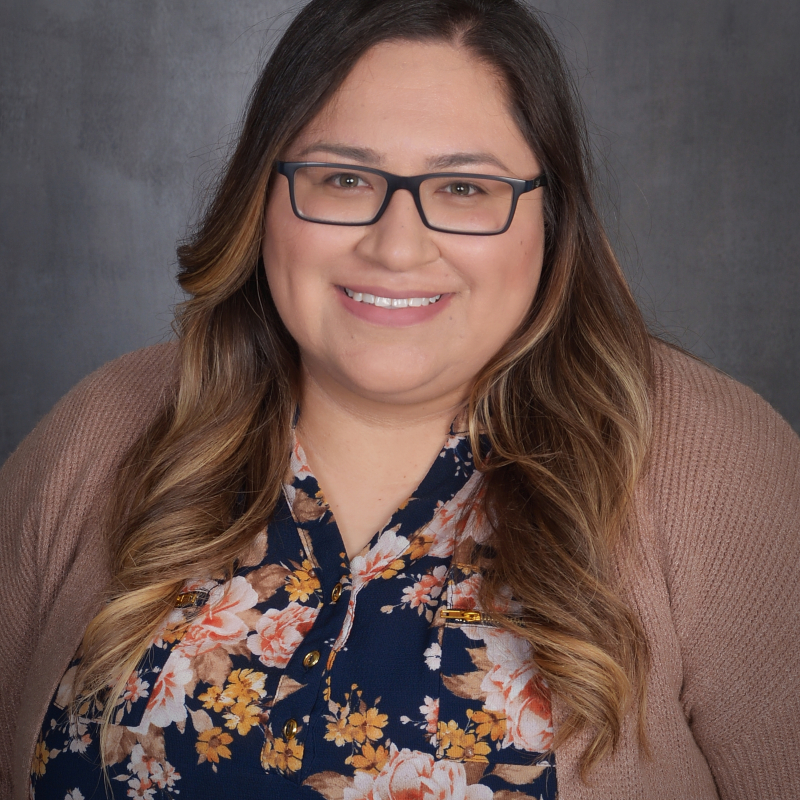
[[279, 633], [413, 774], [75, 794], [430, 710], [464, 594], [426, 589], [443, 527], [167, 703], [135, 689], [387, 549], [514, 688], [220, 622], [433, 656], [79, 738], [298, 463], [147, 774]]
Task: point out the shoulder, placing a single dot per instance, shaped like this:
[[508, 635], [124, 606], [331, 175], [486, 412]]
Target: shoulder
[[688, 393], [707, 424], [53, 480], [106, 408]]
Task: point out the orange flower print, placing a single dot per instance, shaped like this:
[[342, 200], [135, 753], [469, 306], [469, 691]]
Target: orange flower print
[[465, 593], [213, 745]]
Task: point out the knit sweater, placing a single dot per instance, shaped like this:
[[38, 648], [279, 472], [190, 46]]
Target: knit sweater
[[714, 577]]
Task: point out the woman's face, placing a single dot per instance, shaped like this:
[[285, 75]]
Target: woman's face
[[408, 108]]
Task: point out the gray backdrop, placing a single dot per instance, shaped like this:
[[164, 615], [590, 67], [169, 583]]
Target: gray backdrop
[[114, 115]]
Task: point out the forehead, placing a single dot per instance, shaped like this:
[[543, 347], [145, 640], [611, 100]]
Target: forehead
[[410, 102]]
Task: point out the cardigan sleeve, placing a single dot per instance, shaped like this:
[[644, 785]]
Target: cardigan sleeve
[[730, 499], [53, 492]]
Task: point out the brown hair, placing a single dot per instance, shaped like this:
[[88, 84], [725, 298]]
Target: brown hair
[[564, 404]]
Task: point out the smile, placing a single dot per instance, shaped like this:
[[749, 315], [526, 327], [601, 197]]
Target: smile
[[390, 302]]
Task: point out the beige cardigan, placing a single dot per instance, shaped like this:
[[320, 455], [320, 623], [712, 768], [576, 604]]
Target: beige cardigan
[[715, 579]]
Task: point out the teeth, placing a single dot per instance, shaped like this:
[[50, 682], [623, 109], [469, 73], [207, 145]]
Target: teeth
[[391, 302]]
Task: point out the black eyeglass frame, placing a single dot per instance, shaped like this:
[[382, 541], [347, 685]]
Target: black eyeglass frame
[[410, 183]]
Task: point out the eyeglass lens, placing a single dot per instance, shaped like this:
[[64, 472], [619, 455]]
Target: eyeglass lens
[[469, 205]]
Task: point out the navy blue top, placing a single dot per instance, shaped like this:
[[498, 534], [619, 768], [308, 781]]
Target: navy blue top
[[308, 676]]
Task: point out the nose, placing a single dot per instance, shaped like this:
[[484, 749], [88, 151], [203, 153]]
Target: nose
[[399, 240]]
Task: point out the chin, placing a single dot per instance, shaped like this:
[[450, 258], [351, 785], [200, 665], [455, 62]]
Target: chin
[[392, 383]]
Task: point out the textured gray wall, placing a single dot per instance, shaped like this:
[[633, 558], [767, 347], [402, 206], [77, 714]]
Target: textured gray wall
[[113, 115]]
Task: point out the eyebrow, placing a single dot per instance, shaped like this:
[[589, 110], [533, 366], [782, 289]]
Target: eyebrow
[[365, 155], [465, 160], [370, 157]]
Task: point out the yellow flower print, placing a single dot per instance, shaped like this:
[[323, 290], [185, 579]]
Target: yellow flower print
[[245, 685], [214, 699], [174, 633], [488, 723], [41, 755], [367, 724], [282, 755], [370, 759], [419, 545], [213, 745], [302, 583], [242, 717], [393, 568], [460, 745], [340, 732]]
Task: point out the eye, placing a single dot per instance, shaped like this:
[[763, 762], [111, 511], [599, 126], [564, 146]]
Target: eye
[[461, 189], [346, 180]]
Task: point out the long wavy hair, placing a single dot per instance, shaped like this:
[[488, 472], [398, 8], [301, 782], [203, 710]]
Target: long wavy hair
[[564, 404]]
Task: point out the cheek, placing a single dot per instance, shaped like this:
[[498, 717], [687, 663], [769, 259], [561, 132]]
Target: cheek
[[507, 270]]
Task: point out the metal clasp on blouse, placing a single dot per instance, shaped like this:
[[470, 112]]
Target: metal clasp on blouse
[[192, 599], [457, 615]]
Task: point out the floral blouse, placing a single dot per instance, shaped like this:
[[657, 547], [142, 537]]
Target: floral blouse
[[310, 676]]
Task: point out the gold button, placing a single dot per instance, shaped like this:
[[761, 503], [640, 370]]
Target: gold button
[[311, 659], [290, 729], [336, 592]]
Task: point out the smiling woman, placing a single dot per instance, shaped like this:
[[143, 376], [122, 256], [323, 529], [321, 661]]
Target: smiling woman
[[414, 507]]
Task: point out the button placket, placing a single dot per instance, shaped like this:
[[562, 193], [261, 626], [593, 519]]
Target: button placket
[[301, 686]]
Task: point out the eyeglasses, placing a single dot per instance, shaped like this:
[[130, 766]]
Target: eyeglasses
[[451, 202]]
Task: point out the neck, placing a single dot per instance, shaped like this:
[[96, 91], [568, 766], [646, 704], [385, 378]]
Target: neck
[[369, 456]]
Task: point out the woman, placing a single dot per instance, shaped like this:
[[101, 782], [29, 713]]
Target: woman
[[415, 507]]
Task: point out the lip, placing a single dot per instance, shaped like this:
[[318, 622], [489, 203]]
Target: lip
[[392, 317]]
